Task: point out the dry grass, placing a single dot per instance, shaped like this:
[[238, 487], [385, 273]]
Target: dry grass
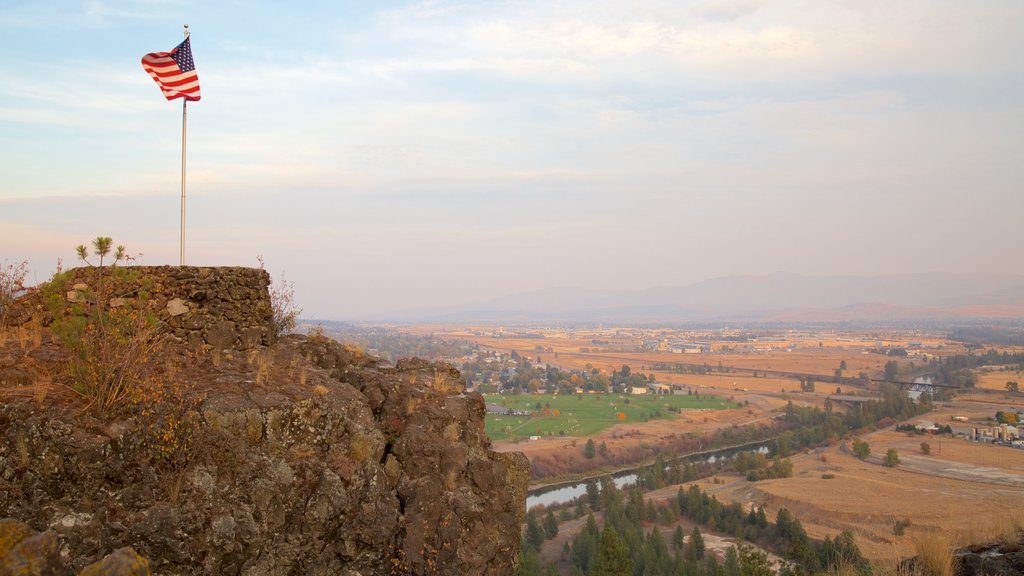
[[41, 387], [38, 389], [1003, 528], [866, 498], [443, 383], [935, 551], [997, 379], [263, 362], [28, 336]]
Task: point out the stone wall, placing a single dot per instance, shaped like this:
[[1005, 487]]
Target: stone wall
[[222, 308]]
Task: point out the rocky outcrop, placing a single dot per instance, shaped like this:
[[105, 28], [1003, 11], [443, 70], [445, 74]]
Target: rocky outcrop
[[301, 458], [1004, 559], [25, 552], [996, 559], [226, 308]]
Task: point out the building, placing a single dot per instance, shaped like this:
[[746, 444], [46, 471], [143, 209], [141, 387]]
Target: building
[[663, 389]]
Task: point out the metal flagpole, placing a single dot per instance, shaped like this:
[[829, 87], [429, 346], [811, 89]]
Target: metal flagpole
[[184, 116]]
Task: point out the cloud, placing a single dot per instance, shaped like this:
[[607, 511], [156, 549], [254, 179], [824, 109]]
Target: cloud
[[465, 136]]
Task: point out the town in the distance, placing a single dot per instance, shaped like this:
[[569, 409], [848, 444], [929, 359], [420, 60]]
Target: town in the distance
[[805, 448]]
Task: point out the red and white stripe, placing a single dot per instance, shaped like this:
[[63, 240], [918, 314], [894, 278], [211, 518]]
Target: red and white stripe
[[172, 81]]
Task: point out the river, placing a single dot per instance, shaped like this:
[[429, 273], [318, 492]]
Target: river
[[548, 495]]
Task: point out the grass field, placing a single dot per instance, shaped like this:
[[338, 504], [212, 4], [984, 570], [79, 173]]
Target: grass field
[[961, 489], [996, 380], [587, 414]]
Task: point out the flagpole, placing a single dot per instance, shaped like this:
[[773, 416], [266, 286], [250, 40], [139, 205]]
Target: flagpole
[[184, 116]]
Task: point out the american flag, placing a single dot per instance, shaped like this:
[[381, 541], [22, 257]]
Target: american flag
[[174, 72]]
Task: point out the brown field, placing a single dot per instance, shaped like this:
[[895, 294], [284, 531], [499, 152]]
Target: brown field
[[962, 488], [789, 356], [809, 360], [764, 394], [997, 379]]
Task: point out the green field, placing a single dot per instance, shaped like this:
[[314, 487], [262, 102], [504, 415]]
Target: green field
[[587, 414]]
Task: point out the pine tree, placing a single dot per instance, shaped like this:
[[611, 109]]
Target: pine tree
[[534, 533], [592, 526], [612, 555], [678, 538], [732, 562], [529, 562], [697, 544], [593, 495], [550, 524]]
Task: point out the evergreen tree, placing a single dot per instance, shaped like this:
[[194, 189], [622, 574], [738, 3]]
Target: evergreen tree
[[658, 474], [732, 562], [678, 538], [550, 524], [612, 555], [529, 562], [611, 496], [713, 567], [696, 544], [593, 495], [534, 533], [592, 526], [754, 562]]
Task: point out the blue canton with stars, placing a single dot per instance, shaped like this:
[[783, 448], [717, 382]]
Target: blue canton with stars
[[182, 55]]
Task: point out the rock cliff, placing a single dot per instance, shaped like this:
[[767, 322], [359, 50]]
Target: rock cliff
[[304, 457]]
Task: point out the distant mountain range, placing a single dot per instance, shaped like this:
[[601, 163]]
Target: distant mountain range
[[779, 297]]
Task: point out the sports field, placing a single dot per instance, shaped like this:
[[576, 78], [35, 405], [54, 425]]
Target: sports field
[[586, 414]]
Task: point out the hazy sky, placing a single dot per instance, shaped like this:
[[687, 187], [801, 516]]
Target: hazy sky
[[402, 155]]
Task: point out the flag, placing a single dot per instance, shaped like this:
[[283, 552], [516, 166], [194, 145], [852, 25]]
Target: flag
[[174, 72]]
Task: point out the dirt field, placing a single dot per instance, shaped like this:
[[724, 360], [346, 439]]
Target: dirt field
[[782, 356], [997, 379], [962, 487]]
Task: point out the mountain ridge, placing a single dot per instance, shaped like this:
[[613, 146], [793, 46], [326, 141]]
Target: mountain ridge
[[780, 296]]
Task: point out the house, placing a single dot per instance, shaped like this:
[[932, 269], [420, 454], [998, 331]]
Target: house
[[638, 390], [660, 389]]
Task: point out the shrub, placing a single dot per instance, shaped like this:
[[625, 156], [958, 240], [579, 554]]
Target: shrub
[[861, 448], [284, 311], [892, 458], [12, 285], [110, 336]]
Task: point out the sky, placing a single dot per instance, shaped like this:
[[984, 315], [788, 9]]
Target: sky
[[389, 156]]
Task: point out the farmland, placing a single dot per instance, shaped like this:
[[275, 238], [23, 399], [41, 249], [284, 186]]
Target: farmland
[[587, 414]]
